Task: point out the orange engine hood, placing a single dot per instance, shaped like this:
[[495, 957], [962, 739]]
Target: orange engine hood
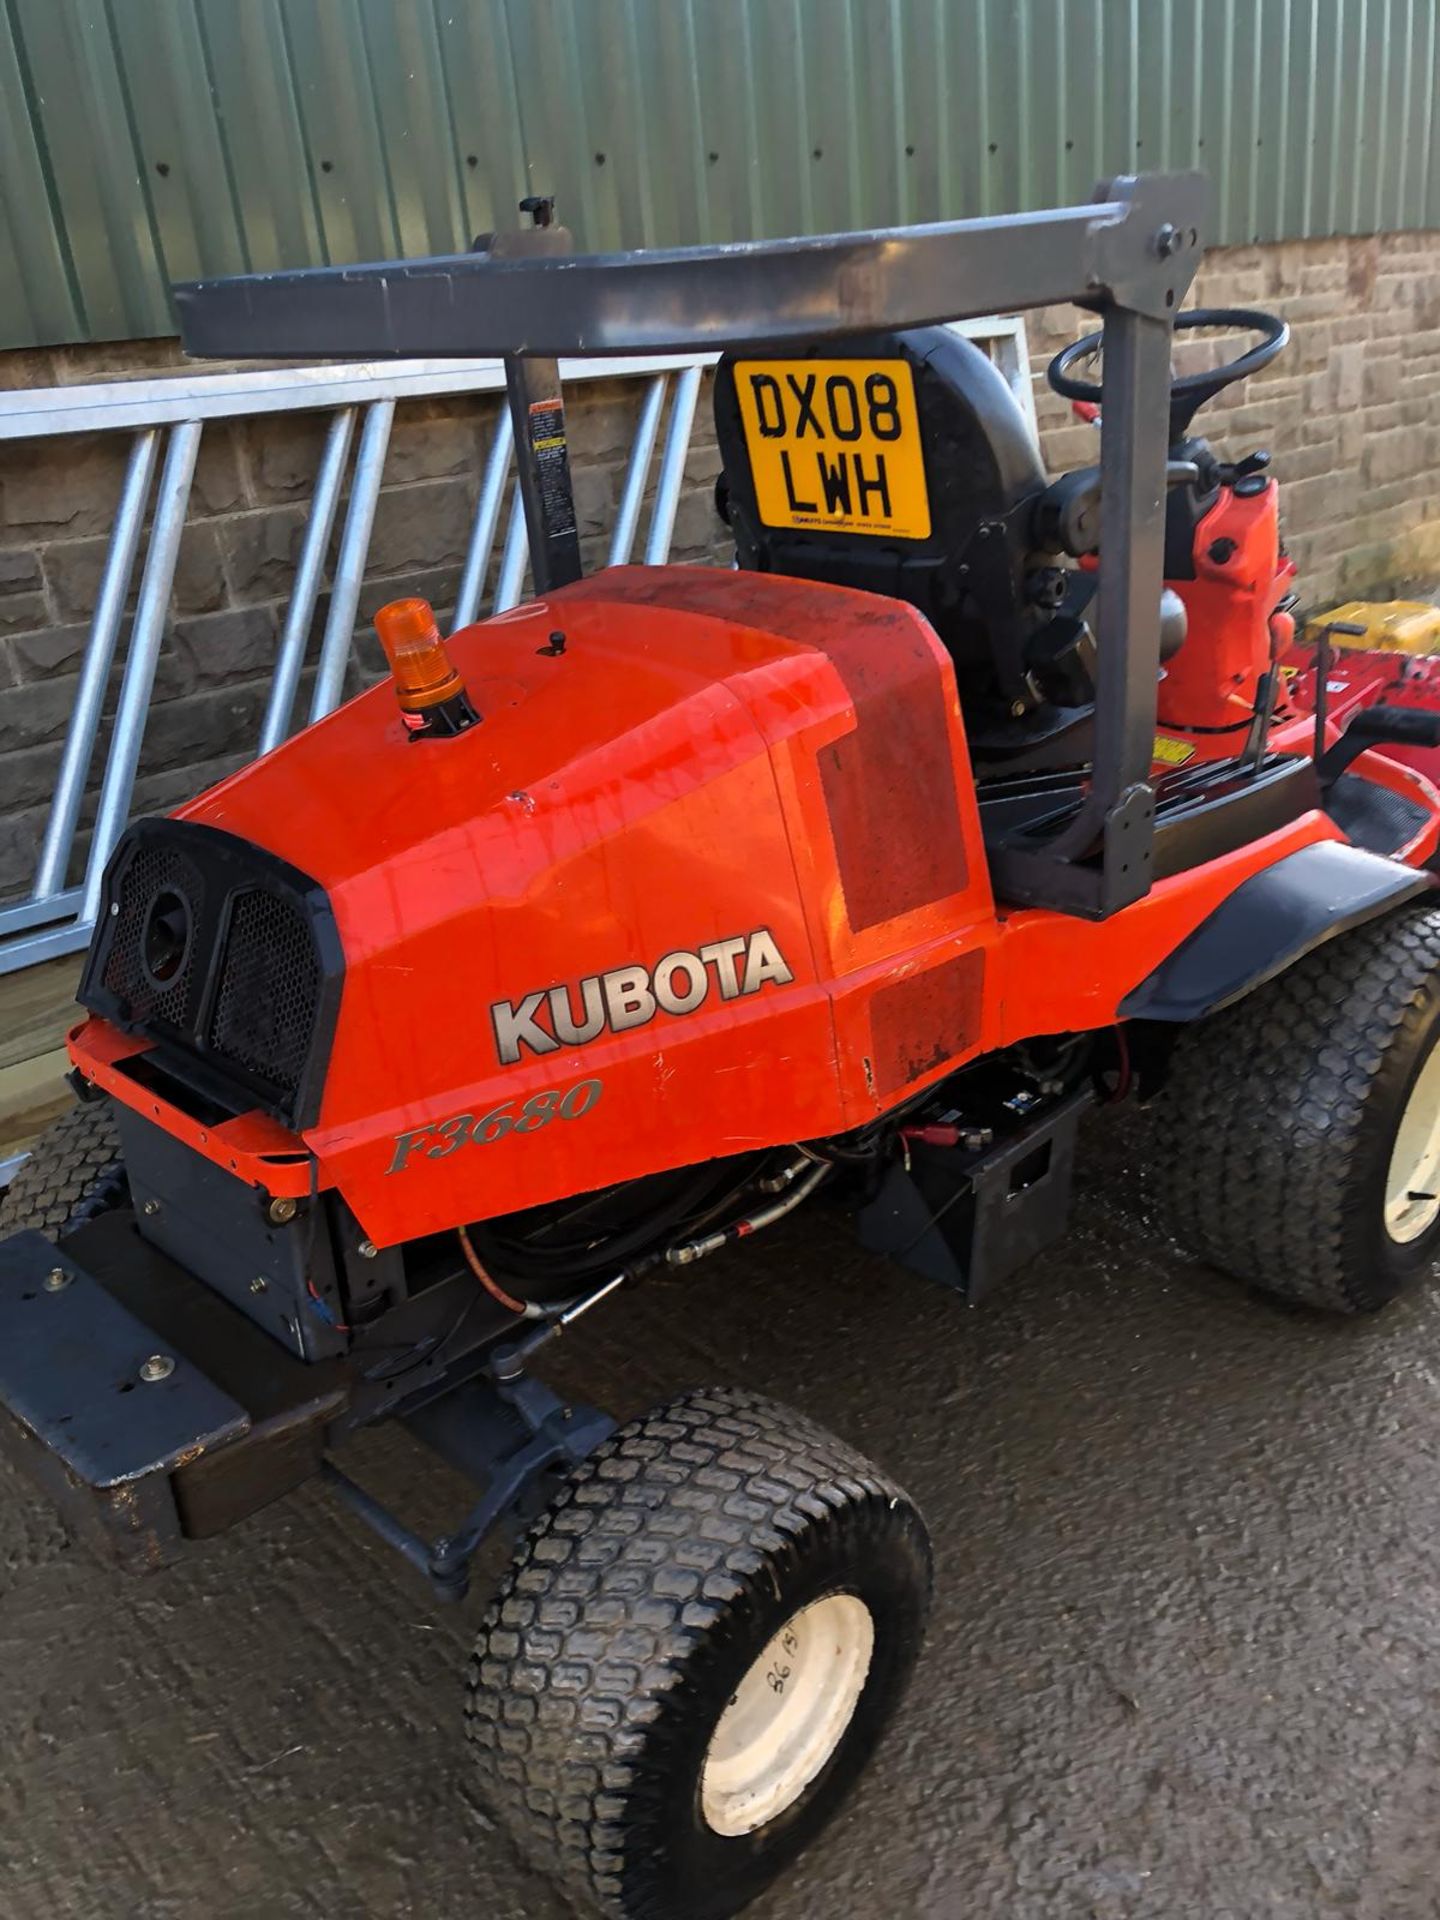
[[760, 782]]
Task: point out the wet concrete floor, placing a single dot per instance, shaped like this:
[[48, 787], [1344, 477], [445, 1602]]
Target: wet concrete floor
[[1185, 1659]]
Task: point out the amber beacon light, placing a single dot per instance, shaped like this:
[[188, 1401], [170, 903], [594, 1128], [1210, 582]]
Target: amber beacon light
[[428, 686]]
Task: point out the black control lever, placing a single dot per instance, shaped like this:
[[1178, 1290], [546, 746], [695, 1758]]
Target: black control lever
[[1376, 727], [1246, 469], [1324, 654], [1266, 694]]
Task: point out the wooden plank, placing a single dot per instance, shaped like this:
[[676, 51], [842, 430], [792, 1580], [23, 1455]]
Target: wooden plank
[[32, 1093], [37, 1009]]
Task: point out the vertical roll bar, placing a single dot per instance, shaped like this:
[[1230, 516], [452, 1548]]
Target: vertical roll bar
[[542, 459], [1121, 804]]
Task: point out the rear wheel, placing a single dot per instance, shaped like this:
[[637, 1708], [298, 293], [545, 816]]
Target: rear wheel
[[73, 1172], [690, 1660], [1298, 1136]]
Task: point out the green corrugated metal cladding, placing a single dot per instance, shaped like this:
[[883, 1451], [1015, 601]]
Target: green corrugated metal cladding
[[147, 140]]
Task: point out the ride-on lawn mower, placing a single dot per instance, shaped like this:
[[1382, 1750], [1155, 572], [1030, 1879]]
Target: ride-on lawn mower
[[611, 930]]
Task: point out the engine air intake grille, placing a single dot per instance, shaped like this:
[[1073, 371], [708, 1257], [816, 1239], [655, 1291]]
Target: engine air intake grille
[[226, 959], [269, 985], [158, 876]]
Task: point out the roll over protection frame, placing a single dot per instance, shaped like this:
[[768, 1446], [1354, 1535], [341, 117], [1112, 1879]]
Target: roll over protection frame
[[1129, 256]]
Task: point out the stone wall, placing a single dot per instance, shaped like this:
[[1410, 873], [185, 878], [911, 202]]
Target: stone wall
[[1350, 411], [1351, 414], [248, 507]]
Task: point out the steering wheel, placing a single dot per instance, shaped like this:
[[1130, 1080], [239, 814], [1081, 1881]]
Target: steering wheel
[[1188, 391]]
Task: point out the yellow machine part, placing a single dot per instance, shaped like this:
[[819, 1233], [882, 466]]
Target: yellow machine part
[[1391, 626]]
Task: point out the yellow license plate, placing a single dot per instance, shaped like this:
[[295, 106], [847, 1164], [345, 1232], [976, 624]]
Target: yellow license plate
[[834, 445]]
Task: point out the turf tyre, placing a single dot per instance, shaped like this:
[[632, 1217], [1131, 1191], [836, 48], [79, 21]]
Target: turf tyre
[[1275, 1130], [73, 1173], [630, 1616]]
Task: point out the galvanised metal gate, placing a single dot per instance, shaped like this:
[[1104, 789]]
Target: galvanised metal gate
[[165, 420]]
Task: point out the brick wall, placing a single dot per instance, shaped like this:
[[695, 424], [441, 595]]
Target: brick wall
[[1351, 413]]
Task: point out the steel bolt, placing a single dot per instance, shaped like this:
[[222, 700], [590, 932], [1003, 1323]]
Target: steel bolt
[[279, 1211], [1167, 240], [56, 1279], [151, 1207], [259, 1283], [367, 1250], [158, 1367]]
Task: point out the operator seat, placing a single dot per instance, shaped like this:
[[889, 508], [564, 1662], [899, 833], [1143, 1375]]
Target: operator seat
[[811, 489]]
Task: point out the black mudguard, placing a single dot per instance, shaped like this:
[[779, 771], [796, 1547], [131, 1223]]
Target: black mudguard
[[1270, 921]]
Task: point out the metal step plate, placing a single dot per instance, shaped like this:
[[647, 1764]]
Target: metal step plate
[[90, 1383]]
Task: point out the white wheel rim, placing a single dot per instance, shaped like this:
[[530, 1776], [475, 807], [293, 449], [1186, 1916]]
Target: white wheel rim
[[788, 1715], [1412, 1187]]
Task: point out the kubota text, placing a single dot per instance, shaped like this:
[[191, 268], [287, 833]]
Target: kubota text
[[626, 997]]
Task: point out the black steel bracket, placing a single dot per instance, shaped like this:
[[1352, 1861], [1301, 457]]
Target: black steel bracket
[[505, 1430]]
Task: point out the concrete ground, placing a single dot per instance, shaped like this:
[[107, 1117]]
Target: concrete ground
[[1185, 1656]]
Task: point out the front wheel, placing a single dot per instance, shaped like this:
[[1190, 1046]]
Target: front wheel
[[691, 1659], [1298, 1135], [73, 1173]]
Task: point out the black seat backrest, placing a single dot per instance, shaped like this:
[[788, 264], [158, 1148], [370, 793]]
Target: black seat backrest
[[820, 447]]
